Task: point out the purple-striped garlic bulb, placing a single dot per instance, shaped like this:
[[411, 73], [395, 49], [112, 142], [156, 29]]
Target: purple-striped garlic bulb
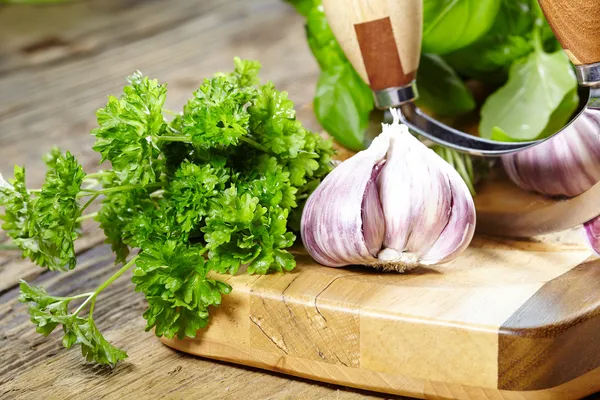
[[565, 165], [394, 206]]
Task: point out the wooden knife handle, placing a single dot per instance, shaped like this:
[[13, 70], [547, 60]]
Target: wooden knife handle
[[576, 24], [381, 38]]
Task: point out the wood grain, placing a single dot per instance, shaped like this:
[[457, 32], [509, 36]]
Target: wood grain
[[552, 338], [34, 367], [405, 18], [577, 27], [380, 55], [504, 209], [438, 327]]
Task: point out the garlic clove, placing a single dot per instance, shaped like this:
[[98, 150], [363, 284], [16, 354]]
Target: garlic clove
[[372, 215], [459, 231], [592, 234], [415, 194], [332, 219]]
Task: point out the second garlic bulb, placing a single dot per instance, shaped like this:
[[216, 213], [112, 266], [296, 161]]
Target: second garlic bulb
[[395, 206]]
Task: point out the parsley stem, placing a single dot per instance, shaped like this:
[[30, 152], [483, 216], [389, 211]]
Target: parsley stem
[[92, 305], [254, 144], [170, 112], [77, 296], [168, 138], [97, 175], [106, 283], [86, 192], [86, 205], [8, 246], [87, 216]]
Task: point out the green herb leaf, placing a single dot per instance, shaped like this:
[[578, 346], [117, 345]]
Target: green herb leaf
[[173, 278], [440, 89], [217, 117], [190, 191], [56, 212], [18, 211], [127, 129], [343, 104], [45, 227], [47, 312], [449, 25], [302, 6], [536, 87], [211, 190]]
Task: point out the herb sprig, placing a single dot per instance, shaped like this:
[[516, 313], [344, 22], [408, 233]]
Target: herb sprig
[[217, 188]]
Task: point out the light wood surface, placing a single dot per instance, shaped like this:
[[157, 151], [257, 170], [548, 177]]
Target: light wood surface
[[576, 24], [57, 65], [504, 209], [504, 318], [381, 38]]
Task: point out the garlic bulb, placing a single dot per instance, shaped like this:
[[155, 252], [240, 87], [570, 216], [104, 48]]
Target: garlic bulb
[[394, 206], [565, 165]]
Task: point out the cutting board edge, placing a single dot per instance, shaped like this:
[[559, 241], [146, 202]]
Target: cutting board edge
[[577, 388]]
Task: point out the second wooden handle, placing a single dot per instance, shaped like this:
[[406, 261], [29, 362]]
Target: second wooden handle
[[576, 24], [381, 38]]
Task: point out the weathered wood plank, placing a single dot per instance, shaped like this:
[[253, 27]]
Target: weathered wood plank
[[36, 367]]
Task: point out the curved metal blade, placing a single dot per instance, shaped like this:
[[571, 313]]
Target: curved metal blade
[[421, 123]]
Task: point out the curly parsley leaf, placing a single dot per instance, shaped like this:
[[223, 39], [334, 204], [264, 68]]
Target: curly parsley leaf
[[191, 189], [56, 214], [51, 157], [217, 117], [213, 190], [18, 211], [45, 226], [172, 276], [245, 73], [128, 128], [47, 312], [240, 231]]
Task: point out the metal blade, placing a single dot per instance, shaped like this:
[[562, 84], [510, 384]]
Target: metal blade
[[424, 125]]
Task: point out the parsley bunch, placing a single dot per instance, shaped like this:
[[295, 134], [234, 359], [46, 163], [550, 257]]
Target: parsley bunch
[[219, 187]]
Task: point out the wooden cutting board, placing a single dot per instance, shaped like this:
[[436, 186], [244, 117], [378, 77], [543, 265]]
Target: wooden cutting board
[[507, 320]]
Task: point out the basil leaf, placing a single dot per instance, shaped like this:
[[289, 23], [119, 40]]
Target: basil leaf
[[558, 120], [490, 58], [449, 25], [342, 104], [440, 90], [514, 17], [562, 114], [536, 87]]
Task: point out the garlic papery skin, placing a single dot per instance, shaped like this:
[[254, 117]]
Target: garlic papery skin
[[565, 165], [393, 206], [592, 234], [332, 226]]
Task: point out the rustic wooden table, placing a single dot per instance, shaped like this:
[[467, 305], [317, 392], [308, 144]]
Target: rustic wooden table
[[57, 65]]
